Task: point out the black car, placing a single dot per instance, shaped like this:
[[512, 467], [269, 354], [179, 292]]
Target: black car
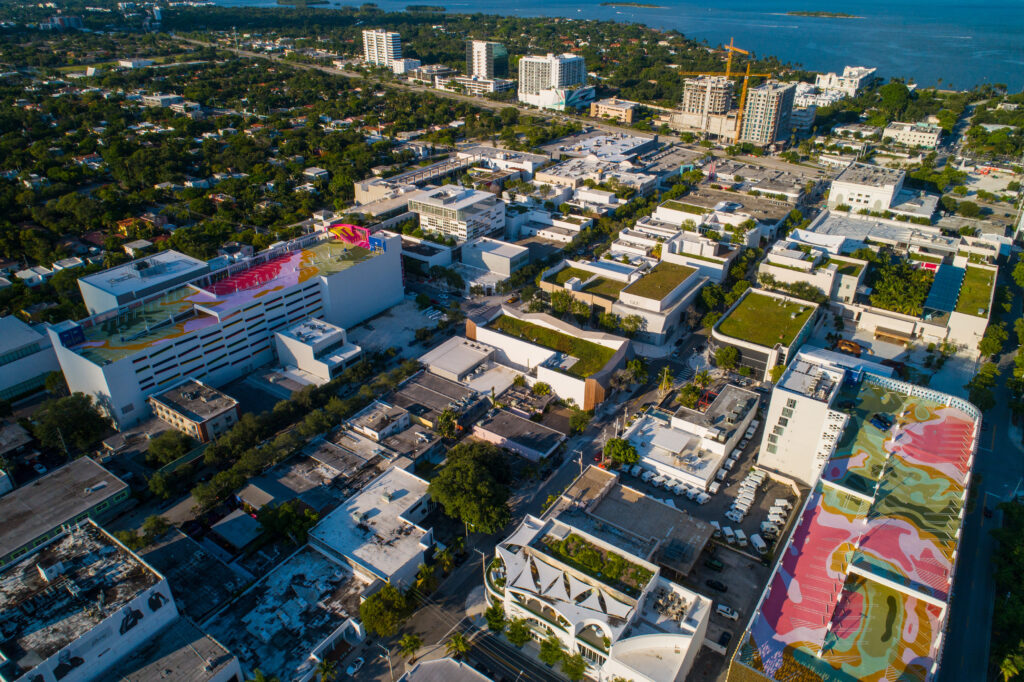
[[717, 585], [725, 638]]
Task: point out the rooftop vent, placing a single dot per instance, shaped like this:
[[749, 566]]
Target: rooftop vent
[[51, 572]]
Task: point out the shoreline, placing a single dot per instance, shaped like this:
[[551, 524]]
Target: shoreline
[[821, 15]]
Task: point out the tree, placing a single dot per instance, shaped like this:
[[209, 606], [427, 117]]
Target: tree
[[579, 419], [56, 385], [519, 381], [777, 372], [702, 378], [665, 380], [688, 396], [632, 324], [551, 651], [968, 209], [259, 676], [1012, 664], [69, 424], [726, 357], [574, 667], [445, 559], [1018, 273], [425, 580], [327, 670], [495, 617], [446, 424], [168, 447], [383, 612], [980, 387], [991, 343], [637, 368], [541, 388], [621, 451], [473, 486], [289, 520], [518, 632], [457, 645], [609, 321], [561, 301], [409, 644]]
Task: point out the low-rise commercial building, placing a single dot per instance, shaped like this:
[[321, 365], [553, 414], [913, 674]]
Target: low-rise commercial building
[[474, 85], [196, 409], [524, 437], [615, 109], [495, 256], [317, 349], [26, 358], [460, 213], [926, 135], [790, 261], [880, 190], [849, 83], [427, 395], [377, 530]]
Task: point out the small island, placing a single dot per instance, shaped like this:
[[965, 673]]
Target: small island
[[424, 8], [632, 4], [830, 15]]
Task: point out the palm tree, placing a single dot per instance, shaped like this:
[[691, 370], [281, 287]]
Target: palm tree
[[327, 670], [425, 578], [665, 381], [457, 645], [458, 544], [445, 559], [703, 378], [410, 644], [259, 676]]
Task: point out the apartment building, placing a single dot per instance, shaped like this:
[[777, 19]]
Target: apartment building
[[848, 83], [380, 48], [766, 116], [707, 95], [457, 212], [925, 135], [486, 59], [554, 81], [221, 325]]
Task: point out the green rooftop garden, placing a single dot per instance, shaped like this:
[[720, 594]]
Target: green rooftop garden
[[847, 267], [597, 562], [762, 320], [975, 292], [591, 357], [659, 282], [922, 258], [686, 208], [601, 286]]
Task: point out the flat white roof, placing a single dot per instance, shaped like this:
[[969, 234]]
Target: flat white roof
[[144, 273], [370, 528], [15, 334], [658, 442], [312, 331], [457, 355], [496, 247]]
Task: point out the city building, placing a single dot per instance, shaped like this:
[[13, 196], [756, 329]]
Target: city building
[[429, 73], [130, 282], [474, 85], [766, 328], [869, 566], [849, 83], [221, 326], [690, 446], [707, 95], [317, 350], [379, 420], [26, 358], [879, 189], [602, 146], [426, 395], [525, 437], [766, 116], [615, 109], [554, 81], [456, 358], [196, 409], [495, 256], [486, 59], [161, 100], [404, 66], [76, 605], [577, 364], [35, 513], [790, 261], [926, 135], [292, 617], [377, 531], [463, 214], [179, 652], [443, 670], [503, 159], [573, 173], [619, 613], [380, 48]]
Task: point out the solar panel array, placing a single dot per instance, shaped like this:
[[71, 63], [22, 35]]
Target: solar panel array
[[945, 288]]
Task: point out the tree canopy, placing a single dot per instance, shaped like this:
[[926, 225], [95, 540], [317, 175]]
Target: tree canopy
[[473, 486], [384, 612], [71, 423]]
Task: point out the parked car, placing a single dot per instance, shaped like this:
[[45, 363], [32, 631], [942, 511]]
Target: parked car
[[727, 612], [714, 564], [356, 666], [717, 585], [39, 468]]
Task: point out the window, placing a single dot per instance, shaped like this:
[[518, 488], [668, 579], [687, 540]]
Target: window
[[786, 412], [777, 430], [783, 421], [773, 449], [772, 438], [791, 403]]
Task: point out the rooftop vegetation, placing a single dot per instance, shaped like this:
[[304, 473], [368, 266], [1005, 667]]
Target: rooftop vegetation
[[848, 267], [591, 357], [597, 562], [608, 288], [766, 320], [661, 281], [976, 292], [686, 208]]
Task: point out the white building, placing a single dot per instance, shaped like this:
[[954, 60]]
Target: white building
[[317, 349], [766, 115], [848, 83], [134, 281], [554, 81], [377, 531], [503, 159], [221, 326], [486, 59], [879, 189], [380, 47], [474, 85], [637, 625], [26, 357], [926, 135], [405, 65], [102, 604], [494, 255], [457, 212]]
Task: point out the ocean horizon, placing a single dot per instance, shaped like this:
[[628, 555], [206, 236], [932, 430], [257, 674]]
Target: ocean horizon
[[944, 43]]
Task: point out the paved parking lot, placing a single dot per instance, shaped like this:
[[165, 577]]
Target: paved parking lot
[[395, 328]]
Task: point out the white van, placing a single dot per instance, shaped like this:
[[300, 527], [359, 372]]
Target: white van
[[730, 537], [729, 464], [726, 612], [646, 476], [769, 528], [720, 476], [714, 488], [782, 502], [741, 538], [777, 520], [733, 516], [736, 453], [758, 544], [717, 529], [703, 498], [636, 470]]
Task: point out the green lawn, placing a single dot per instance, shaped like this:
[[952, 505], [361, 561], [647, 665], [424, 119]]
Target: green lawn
[[847, 267], [659, 282], [760, 319], [975, 292], [608, 288], [592, 357], [685, 208]]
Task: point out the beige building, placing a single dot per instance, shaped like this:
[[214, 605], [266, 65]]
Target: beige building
[[615, 109], [925, 135], [196, 409], [766, 116], [707, 95]]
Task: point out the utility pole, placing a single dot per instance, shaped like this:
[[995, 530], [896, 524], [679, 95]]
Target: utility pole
[[391, 671]]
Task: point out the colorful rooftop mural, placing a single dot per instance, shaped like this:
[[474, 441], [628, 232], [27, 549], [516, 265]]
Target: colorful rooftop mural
[[861, 590], [194, 306]]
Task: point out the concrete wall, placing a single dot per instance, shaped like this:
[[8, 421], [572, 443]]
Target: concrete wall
[[365, 289]]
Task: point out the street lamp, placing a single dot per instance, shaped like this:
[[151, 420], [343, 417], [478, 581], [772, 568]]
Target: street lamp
[[391, 671]]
